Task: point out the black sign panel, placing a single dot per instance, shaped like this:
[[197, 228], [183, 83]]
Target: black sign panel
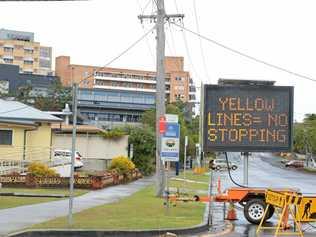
[[247, 118]]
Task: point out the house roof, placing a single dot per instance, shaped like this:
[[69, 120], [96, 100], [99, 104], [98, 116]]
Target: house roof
[[17, 111]]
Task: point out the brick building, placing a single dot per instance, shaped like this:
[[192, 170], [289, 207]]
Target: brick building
[[179, 84]]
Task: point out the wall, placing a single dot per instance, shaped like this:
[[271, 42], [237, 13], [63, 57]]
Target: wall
[[16, 80], [38, 143], [14, 151], [69, 72], [92, 146]]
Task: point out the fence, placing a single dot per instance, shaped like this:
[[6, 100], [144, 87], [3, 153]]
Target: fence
[[89, 182]]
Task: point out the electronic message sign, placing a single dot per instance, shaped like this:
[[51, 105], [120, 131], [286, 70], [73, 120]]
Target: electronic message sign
[[247, 118]]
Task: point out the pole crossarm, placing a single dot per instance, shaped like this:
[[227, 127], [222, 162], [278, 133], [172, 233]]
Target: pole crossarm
[[167, 17]]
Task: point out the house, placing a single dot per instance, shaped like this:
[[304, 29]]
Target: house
[[25, 132]]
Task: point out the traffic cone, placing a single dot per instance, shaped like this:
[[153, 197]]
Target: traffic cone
[[231, 214]]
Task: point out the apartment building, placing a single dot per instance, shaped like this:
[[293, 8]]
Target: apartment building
[[19, 48], [179, 84]]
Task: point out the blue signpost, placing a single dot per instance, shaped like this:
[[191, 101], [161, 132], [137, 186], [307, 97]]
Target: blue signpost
[[170, 142]]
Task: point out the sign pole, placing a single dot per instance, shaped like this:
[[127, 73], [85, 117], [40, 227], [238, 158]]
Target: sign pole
[[185, 156], [246, 167]]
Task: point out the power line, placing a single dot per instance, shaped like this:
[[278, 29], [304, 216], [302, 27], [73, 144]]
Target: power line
[[201, 45], [173, 48], [145, 7], [245, 55], [143, 28], [120, 54], [187, 46]]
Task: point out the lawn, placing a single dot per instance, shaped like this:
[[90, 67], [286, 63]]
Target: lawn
[[142, 210], [196, 177], [201, 179], [8, 202]]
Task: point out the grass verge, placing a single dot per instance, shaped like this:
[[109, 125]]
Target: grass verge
[[9, 202], [309, 169], [142, 210]]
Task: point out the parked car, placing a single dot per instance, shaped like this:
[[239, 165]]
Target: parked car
[[61, 156], [295, 163], [219, 164]]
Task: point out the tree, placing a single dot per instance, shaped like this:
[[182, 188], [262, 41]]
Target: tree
[[187, 128], [305, 134], [56, 98], [143, 140]]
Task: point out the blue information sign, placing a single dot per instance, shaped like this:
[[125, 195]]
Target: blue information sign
[[170, 142]]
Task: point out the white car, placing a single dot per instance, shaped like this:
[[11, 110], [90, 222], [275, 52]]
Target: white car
[[62, 156], [219, 164]]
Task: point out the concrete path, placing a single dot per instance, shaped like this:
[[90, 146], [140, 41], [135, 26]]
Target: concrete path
[[14, 219]]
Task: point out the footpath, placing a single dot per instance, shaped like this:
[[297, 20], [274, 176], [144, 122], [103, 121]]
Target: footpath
[[14, 219]]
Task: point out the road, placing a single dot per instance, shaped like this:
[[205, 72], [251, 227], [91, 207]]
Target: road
[[263, 174]]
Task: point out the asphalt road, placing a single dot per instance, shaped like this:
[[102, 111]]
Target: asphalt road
[[263, 174]]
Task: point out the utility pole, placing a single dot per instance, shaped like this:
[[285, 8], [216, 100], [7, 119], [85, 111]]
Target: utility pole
[[160, 84], [73, 151]]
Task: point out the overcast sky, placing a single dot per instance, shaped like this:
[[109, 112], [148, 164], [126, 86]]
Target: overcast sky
[[92, 32]]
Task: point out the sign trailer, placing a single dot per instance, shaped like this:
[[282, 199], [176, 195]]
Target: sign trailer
[[247, 118]]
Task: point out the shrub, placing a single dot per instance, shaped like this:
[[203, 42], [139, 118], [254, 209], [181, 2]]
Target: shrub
[[115, 133], [38, 169], [143, 140], [122, 165]]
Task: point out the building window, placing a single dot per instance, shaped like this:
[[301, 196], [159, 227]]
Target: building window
[[8, 49], [28, 51], [28, 62], [5, 137], [8, 60]]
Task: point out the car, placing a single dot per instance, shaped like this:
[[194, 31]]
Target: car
[[219, 164], [62, 156], [295, 163]]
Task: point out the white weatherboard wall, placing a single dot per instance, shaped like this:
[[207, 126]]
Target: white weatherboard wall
[[92, 146]]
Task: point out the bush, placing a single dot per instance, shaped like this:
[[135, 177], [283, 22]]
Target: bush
[[115, 133], [144, 164], [143, 140], [38, 169], [122, 165]]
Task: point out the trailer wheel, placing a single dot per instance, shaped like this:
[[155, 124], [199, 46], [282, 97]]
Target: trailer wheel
[[254, 210]]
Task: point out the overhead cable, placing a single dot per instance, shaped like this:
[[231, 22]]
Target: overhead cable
[[246, 55]]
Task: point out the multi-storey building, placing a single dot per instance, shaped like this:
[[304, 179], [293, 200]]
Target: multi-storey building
[[12, 81], [19, 48], [108, 108], [179, 84]]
